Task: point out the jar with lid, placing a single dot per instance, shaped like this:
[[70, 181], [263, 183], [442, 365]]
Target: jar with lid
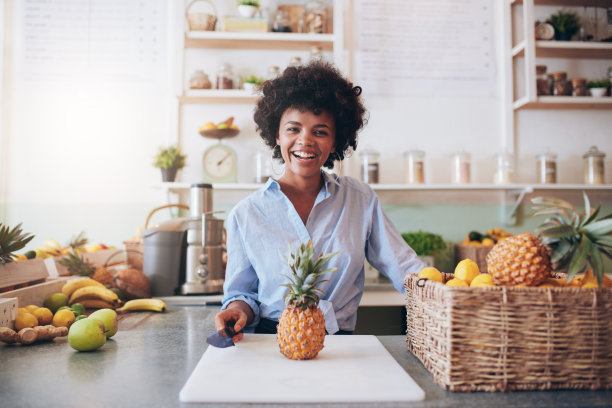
[[504, 168], [547, 168], [461, 170], [369, 166], [282, 22], [273, 72], [314, 18], [579, 87], [225, 77], [561, 86], [263, 166], [594, 166], [543, 81], [295, 61], [316, 53], [199, 80], [415, 166]]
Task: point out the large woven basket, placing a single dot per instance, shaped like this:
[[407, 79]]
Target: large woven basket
[[510, 338]]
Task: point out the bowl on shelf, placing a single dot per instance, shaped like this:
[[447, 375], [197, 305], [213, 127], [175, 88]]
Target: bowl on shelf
[[598, 92], [219, 133]]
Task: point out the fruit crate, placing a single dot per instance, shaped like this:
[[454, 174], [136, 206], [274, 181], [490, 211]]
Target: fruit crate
[[35, 294], [510, 338], [105, 257], [14, 275]]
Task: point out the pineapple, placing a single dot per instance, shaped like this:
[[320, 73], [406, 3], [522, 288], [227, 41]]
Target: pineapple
[[12, 240], [301, 327], [519, 260], [77, 265], [78, 241], [577, 239]]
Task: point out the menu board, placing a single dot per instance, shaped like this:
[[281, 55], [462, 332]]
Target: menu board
[[91, 40], [416, 47]]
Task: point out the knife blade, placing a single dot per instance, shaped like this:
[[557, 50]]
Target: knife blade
[[222, 338]]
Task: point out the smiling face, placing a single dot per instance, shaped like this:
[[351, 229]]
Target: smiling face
[[306, 140]]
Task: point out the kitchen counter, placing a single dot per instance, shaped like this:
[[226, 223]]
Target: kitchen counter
[[151, 357]]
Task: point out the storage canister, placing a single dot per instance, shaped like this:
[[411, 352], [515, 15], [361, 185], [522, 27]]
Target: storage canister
[[579, 87], [415, 166], [504, 168], [225, 77], [594, 166], [369, 166], [543, 81], [561, 86], [461, 170], [547, 168]]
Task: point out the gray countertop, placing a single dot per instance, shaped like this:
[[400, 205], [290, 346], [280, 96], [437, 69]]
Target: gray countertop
[[151, 357]]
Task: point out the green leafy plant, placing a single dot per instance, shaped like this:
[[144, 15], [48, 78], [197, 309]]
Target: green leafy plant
[[12, 240], [170, 157], [566, 24], [424, 243], [253, 3], [252, 79], [598, 83]]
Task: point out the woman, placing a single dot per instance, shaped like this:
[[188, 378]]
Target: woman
[[310, 116]]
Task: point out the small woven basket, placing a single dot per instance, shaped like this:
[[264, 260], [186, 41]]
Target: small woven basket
[[477, 254], [510, 338], [201, 21]]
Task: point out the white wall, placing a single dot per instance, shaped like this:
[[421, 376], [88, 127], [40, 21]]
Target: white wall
[[77, 156]]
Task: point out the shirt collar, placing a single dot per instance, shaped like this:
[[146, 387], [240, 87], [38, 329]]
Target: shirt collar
[[330, 183]]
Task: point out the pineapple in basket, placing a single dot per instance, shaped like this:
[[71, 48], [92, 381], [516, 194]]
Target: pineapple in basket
[[577, 239], [301, 327]]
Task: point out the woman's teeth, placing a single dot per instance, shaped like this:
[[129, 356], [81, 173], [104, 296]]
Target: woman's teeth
[[303, 155]]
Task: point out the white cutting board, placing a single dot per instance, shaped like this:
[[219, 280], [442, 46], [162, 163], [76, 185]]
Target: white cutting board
[[349, 369]]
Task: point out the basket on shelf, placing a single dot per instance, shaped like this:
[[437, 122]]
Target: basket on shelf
[[510, 338], [477, 254], [134, 248], [200, 21]]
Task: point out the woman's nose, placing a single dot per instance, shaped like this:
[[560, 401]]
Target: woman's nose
[[305, 138]]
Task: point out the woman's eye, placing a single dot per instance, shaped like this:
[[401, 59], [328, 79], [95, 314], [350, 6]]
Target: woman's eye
[[320, 132]]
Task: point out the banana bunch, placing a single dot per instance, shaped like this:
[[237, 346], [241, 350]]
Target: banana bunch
[[151, 305], [90, 293]]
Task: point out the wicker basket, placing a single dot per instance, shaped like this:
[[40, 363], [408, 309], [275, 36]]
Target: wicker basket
[[510, 338], [201, 21]]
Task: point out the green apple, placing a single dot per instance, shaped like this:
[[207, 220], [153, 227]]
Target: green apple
[[86, 334], [109, 318]]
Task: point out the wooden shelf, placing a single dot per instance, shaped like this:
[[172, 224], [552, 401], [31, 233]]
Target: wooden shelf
[[566, 49], [262, 41], [218, 95], [564, 102], [569, 3]]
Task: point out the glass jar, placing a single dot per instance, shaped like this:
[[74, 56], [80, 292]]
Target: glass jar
[[547, 168], [273, 72], [199, 80], [461, 170], [594, 166], [579, 87], [295, 61], [263, 166], [415, 166], [282, 22], [314, 19], [369, 166], [561, 86], [504, 168], [543, 81], [225, 77], [316, 53]]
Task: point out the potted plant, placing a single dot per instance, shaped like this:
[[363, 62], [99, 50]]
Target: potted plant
[[248, 8], [252, 82], [169, 160], [566, 24], [598, 87], [425, 244]]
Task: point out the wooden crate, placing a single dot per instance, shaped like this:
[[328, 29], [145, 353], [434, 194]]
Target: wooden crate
[[8, 311], [510, 338], [15, 275], [35, 294]]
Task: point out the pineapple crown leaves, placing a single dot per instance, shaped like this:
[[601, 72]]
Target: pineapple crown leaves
[[577, 239], [12, 240], [77, 265], [306, 276], [78, 241]]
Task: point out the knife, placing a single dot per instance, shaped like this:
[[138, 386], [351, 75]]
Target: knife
[[217, 339]]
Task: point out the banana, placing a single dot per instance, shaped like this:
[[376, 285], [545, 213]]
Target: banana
[[153, 305], [71, 286], [96, 304], [94, 292]]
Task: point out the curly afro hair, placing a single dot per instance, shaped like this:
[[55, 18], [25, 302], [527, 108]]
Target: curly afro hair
[[314, 87]]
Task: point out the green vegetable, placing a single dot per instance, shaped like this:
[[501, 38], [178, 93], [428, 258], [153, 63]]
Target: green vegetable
[[248, 3], [424, 243], [598, 83], [475, 236], [252, 79], [169, 157]]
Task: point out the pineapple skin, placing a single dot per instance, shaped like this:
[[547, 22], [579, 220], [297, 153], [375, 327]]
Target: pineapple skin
[[301, 332], [519, 260]]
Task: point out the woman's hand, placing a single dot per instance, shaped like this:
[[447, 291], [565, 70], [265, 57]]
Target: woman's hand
[[235, 317]]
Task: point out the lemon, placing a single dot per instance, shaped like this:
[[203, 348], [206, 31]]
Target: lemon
[[467, 270], [484, 279], [222, 126], [24, 320], [431, 273], [31, 308], [208, 126], [488, 242], [63, 318], [457, 282], [43, 315]]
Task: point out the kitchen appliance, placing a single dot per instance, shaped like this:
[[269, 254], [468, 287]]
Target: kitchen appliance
[[176, 258]]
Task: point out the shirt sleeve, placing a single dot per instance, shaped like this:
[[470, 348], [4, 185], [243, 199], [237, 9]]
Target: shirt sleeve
[[241, 281], [387, 251]]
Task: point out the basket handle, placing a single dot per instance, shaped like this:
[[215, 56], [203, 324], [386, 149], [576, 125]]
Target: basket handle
[[195, 1], [153, 211], [119, 251]]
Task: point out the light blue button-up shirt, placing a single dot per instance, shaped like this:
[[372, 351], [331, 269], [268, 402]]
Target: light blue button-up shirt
[[347, 217]]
